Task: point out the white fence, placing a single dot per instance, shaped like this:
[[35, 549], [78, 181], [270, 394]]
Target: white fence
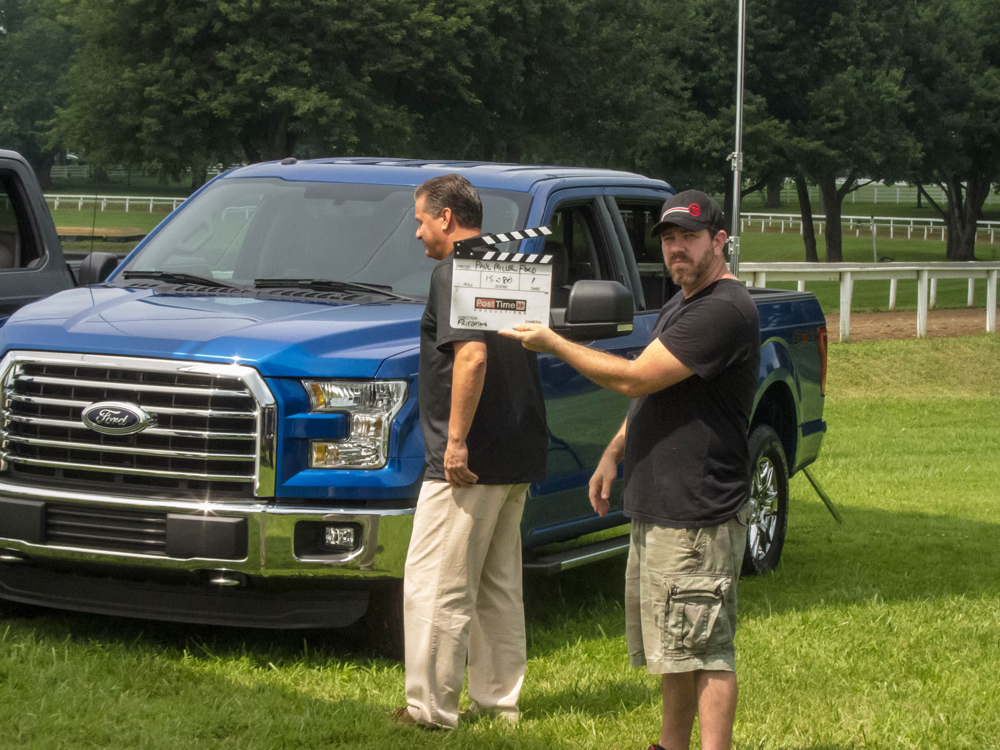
[[925, 274], [881, 193], [84, 171], [887, 227], [112, 202]]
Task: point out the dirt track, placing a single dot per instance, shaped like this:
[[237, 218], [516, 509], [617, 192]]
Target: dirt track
[[903, 325]]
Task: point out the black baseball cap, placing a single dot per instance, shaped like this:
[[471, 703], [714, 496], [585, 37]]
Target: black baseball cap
[[691, 209]]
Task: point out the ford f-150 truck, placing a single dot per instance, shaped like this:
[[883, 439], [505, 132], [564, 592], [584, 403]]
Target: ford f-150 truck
[[225, 430]]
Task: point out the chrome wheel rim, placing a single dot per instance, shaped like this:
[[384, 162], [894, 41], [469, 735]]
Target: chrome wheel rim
[[764, 513]]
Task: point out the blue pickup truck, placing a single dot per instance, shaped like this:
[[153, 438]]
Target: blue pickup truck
[[225, 429]]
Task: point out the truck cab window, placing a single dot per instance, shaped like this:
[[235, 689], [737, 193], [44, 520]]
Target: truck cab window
[[639, 217], [17, 248], [578, 247]]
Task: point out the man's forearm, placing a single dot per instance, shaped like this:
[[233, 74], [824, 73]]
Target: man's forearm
[[467, 378], [607, 370], [616, 448]]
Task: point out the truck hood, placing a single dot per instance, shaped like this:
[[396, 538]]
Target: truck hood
[[281, 338]]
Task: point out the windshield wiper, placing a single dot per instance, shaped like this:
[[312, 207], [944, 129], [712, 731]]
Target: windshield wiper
[[178, 278], [329, 285]]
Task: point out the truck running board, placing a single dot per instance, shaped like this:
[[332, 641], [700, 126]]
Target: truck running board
[[572, 558]]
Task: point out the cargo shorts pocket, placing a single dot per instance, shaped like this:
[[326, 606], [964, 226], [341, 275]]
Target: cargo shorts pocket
[[695, 618]]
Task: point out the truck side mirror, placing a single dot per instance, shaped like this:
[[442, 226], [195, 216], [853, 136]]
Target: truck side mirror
[[95, 268], [596, 310]]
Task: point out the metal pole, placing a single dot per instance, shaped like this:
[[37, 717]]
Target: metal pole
[[737, 156]]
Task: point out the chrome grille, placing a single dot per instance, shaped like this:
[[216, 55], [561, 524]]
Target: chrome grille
[[205, 441]]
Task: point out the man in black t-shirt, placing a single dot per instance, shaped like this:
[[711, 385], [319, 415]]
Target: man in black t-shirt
[[687, 470], [483, 420]]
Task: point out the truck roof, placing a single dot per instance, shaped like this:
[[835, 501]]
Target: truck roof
[[487, 175]]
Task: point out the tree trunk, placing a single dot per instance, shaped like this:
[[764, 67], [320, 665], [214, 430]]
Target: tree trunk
[[920, 194], [965, 204], [805, 205], [199, 175], [832, 198], [42, 165], [773, 199]]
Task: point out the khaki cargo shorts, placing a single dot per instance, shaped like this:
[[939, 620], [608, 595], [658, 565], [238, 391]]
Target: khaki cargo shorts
[[680, 595]]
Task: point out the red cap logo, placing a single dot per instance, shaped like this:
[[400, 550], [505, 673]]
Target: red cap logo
[[694, 209]]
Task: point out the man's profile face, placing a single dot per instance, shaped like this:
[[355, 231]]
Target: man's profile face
[[689, 254], [431, 230]]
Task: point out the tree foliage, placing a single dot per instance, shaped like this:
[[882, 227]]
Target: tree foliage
[[836, 92], [953, 49], [831, 73], [36, 46]]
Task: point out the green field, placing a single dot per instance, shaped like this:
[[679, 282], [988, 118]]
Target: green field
[[881, 633]]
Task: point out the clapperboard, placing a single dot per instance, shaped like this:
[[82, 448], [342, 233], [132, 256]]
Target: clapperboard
[[492, 290]]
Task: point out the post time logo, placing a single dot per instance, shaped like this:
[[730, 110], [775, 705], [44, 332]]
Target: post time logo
[[491, 303]]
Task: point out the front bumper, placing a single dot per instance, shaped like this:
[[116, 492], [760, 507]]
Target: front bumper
[[277, 582]]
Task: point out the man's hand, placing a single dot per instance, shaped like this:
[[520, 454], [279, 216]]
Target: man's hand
[[456, 465], [533, 337], [600, 484]]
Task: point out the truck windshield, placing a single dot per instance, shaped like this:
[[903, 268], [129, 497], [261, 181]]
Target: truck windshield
[[244, 229]]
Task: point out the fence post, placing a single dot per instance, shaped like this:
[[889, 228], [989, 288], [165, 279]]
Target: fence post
[[893, 288], [801, 285], [760, 279], [126, 204], [846, 292], [150, 205], [922, 278], [875, 199], [991, 302], [972, 291], [933, 293], [897, 196]]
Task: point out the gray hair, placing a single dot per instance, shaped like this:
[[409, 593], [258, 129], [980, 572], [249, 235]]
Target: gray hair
[[455, 192]]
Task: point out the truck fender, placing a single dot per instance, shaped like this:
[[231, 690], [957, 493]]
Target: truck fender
[[778, 394]]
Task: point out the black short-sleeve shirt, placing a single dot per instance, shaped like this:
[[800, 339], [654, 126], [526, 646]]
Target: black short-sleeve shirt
[[508, 439], [687, 462]]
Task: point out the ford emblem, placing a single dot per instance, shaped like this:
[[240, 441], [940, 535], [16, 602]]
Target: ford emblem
[[116, 418]]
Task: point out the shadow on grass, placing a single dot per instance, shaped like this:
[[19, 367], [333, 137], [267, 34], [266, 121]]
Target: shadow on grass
[[875, 555]]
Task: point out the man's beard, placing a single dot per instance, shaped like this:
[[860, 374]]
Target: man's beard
[[687, 275]]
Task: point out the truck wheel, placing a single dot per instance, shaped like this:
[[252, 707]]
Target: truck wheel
[[383, 622], [768, 501]]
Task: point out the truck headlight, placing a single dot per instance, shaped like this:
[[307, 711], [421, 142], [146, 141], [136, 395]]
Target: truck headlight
[[372, 407]]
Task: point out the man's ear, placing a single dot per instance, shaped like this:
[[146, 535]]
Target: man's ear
[[719, 242], [446, 218]]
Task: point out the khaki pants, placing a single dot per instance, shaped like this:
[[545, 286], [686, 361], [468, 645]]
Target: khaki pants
[[462, 598]]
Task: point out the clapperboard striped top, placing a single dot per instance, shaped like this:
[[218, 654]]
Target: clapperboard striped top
[[481, 247]]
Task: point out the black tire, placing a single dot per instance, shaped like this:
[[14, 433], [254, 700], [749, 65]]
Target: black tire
[[383, 622], [769, 501]]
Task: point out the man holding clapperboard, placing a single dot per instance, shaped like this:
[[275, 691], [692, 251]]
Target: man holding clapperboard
[[687, 470]]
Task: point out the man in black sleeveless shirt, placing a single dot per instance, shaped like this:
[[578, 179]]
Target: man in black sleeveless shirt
[[687, 470]]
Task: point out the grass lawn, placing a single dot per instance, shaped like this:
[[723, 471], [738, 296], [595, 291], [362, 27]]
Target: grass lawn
[[881, 633]]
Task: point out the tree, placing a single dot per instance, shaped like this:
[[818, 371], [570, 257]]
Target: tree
[[954, 73], [831, 72], [36, 45], [182, 80]]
